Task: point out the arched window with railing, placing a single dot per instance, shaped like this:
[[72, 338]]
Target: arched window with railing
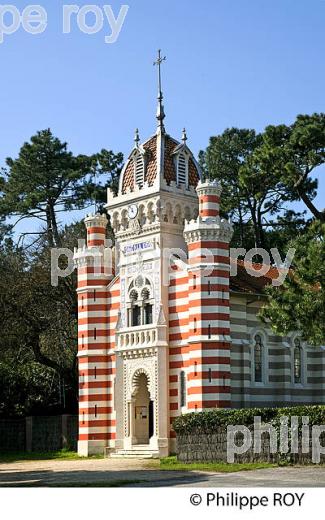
[[147, 306], [140, 306], [135, 310]]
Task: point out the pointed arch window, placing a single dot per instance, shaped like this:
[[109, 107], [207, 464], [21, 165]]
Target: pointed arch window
[[258, 359], [182, 170], [297, 361]]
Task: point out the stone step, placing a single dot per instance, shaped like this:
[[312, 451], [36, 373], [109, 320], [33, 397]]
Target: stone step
[[135, 454]]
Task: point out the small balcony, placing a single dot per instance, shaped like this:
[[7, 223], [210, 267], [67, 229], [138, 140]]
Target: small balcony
[[142, 336]]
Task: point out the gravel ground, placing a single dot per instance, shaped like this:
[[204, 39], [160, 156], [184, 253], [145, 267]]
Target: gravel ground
[[140, 473]]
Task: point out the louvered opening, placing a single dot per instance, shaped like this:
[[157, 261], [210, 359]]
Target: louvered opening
[[181, 169], [139, 171]]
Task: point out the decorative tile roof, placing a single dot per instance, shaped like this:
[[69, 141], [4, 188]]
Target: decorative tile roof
[[128, 177], [151, 168], [150, 150], [245, 282]]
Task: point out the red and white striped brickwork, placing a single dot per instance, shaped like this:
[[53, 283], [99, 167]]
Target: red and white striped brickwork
[[208, 372], [178, 337], [209, 201], [98, 304]]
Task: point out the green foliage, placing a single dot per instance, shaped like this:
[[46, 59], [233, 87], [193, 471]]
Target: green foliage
[[46, 179], [262, 173], [38, 343], [288, 225], [251, 189], [208, 421], [26, 386], [63, 454], [299, 304], [171, 463], [295, 151], [223, 160]]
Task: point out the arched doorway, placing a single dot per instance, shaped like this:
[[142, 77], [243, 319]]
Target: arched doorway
[[142, 410]]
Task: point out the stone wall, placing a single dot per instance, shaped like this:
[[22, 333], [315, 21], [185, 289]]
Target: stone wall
[[213, 448], [39, 433]]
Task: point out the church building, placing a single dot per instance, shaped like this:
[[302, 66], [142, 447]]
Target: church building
[[163, 329]]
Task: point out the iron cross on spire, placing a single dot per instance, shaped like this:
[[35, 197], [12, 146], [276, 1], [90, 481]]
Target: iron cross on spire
[[160, 110], [158, 62]]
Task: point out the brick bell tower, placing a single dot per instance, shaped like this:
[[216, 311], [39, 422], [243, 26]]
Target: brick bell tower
[[208, 239], [95, 271]]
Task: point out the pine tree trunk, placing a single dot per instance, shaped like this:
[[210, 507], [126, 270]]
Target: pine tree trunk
[[49, 227], [55, 232]]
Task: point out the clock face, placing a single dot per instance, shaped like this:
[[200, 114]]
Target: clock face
[[132, 211]]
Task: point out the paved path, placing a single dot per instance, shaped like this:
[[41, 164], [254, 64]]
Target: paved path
[[96, 471], [272, 477]]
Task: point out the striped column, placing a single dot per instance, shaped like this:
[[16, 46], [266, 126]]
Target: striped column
[[209, 198], [178, 339], [96, 230], [208, 240], [94, 363]]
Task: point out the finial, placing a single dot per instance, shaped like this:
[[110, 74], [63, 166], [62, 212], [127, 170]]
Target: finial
[[184, 136], [95, 177], [160, 110], [136, 137]]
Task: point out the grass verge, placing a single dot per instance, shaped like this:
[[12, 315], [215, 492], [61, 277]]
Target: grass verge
[[46, 455], [171, 463]]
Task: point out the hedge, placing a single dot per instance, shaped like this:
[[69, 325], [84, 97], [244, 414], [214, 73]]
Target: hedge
[[208, 421]]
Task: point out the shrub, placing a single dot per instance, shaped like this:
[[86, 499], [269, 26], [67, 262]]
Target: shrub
[[208, 421]]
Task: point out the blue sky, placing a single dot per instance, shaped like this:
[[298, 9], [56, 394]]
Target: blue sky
[[229, 63]]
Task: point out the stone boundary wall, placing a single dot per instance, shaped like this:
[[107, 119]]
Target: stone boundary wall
[[195, 447], [41, 433]]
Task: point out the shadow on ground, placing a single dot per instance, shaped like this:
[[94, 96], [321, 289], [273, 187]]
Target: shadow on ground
[[48, 478], [138, 473]]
